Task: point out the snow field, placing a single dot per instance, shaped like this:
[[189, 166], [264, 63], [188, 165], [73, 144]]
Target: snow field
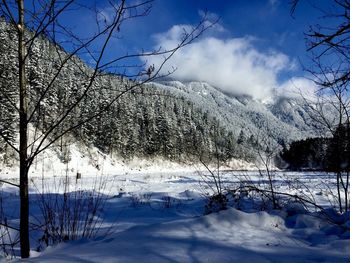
[[158, 217]]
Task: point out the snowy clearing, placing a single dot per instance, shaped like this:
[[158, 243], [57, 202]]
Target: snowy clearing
[[158, 217]]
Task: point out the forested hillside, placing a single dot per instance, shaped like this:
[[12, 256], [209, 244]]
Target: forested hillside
[[143, 122], [178, 121]]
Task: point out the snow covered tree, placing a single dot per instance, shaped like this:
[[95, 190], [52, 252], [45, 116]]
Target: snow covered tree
[[7, 92]]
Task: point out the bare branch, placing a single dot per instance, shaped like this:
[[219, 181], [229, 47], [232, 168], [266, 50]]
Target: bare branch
[[7, 182], [10, 227], [8, 142]]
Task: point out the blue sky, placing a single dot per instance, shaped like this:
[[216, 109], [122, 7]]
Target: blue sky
[[256, 47], [266, 25]]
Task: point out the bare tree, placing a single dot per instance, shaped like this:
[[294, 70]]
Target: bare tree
[[267, 150], [330, 111], [328, 42], [31, 20], [212, 177]]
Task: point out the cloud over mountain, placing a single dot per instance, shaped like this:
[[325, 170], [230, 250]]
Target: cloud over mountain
[[233, 65], [298, 87]]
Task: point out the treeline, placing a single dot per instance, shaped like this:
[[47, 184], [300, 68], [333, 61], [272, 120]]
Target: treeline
[[327, 154], [149, 122]]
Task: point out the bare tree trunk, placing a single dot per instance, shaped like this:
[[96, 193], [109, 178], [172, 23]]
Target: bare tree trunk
[[269, 175], [338, 190], [23, 140], [346, 192]]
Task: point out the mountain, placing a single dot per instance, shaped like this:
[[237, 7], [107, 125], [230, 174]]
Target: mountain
[[175, 120], [283, 119]]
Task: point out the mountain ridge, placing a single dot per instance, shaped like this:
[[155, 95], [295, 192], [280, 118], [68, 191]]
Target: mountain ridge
[[292, 113]]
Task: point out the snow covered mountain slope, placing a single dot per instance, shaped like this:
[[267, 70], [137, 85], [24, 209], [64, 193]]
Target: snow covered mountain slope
[[283, 119]]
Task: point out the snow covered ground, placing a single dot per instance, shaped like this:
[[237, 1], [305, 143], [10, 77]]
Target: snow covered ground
[[229, 236], [155, 213]]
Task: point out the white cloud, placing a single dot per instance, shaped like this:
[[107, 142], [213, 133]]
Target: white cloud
[[211, 19], [233, 65], [298, 87]]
